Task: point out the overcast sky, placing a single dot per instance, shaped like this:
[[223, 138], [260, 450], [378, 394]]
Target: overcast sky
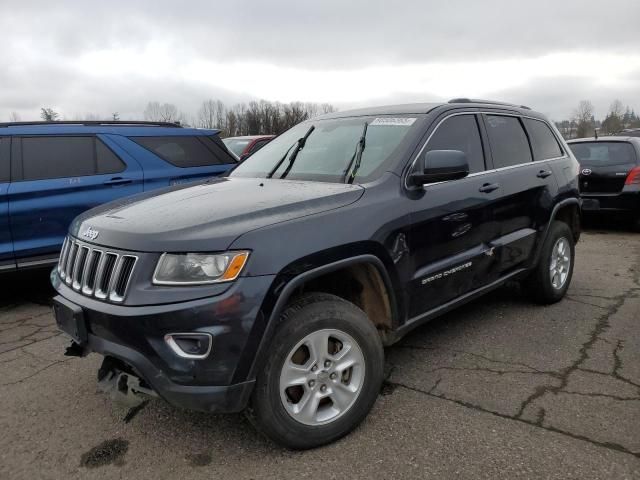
[[89, 57]]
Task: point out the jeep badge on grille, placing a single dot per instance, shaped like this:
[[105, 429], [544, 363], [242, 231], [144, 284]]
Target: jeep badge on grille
[[91, 233]]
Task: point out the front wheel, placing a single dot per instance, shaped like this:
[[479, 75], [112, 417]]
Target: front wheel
[[550, 280], [323, 375]]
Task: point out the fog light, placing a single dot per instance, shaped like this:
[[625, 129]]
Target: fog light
[[189, 345]]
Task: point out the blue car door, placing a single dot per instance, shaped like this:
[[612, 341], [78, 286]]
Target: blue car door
[[57, 178], [6, 246]]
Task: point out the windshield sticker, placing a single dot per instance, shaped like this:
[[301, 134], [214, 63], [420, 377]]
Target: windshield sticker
[[393, 122]]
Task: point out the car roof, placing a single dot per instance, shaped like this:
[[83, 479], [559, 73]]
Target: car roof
[[423, 108], [141, 129], [610, 138], [248, 137]]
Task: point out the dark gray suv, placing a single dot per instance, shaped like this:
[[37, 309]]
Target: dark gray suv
[[274, 289]]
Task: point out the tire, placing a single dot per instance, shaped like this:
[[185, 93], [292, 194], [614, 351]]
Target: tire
[[322, 320], [544, 287]]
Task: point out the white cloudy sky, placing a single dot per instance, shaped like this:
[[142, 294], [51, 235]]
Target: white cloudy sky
[[82, 57]]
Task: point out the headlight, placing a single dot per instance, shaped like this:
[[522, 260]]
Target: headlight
[[199, 268]]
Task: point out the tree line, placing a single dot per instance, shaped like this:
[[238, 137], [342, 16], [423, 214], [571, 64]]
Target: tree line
[[252, 118], [265, 117], [584, 124]]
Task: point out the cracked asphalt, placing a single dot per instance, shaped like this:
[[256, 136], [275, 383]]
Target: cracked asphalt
[[500, 388]]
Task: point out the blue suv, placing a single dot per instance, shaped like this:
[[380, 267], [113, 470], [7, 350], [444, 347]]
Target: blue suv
[[52, 171]]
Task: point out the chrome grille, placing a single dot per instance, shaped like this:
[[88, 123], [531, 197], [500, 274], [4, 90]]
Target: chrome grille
[[95, 272]]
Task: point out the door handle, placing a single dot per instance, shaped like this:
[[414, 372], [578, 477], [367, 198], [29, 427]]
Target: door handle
[[544, 173], [489, 187], [118, 181]]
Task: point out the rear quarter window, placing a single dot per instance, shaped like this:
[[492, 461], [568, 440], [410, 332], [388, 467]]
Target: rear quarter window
[[543, 142], [186, 151]]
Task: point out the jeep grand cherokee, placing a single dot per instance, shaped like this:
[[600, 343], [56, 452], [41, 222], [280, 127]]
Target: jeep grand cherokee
[[274, 289]]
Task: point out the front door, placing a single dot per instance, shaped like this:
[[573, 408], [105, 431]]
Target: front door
[[453, 222], [59, 178]]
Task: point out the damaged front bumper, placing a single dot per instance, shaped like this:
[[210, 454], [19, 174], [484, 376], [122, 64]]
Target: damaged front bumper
[[129, 379]]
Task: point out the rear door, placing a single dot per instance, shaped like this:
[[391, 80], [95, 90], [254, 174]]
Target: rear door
[[453, 222], [604, 165], [529, 184], [57, 178], [6, 246], [181, 159]]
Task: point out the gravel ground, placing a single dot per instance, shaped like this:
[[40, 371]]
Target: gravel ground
[[500, 388]]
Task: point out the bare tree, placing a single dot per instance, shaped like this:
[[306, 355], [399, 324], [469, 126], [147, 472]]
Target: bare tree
[[207, 114], [49, 114], [583, 116], [327, 108], [166, 112], [14, 117]]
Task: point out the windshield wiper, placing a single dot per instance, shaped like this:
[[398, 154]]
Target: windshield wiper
[[299, 145], [356, 157]]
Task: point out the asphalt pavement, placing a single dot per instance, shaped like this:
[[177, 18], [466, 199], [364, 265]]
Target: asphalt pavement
[[500, 388]]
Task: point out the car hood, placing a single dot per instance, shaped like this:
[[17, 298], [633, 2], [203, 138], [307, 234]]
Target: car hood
[[207, 216]]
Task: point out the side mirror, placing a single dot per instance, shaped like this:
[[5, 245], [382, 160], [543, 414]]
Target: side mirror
[[440, 166]]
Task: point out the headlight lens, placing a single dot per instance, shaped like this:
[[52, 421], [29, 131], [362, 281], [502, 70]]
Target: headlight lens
[[199, 268]]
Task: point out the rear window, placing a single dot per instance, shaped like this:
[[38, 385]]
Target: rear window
[[236, 145], [543, 142], [59, 157], [4, 159], [186, 151], [509, 144], [604, 153]]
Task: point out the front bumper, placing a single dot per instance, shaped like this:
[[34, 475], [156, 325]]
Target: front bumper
[[135, 336]]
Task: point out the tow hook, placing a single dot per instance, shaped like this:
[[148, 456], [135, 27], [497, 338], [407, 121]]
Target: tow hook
[[123, 387]]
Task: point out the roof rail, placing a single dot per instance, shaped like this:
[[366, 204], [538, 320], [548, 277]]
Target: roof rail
[[490, 102], [120, 123]]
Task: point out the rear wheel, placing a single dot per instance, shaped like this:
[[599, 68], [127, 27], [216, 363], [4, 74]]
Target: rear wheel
[[550, 280], [323, 375]]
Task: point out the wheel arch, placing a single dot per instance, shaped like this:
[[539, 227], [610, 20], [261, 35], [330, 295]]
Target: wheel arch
[[284, 291], [567, 211]]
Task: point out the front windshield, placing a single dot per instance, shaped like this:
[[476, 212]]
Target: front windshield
[[329, 148]]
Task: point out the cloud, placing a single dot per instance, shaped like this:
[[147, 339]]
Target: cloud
[[115, 56]]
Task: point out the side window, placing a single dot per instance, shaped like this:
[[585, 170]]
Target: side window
[[509, 144], [57, 157], [460, 133], [106, 160], [543, 142], [4, 159], [192, 151]]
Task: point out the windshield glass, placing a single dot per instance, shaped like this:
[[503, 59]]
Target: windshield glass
[[329, 148], [236, 145], [604, 153]]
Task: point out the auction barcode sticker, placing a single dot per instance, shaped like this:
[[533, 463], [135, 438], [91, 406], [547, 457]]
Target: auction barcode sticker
[[393, 122]]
